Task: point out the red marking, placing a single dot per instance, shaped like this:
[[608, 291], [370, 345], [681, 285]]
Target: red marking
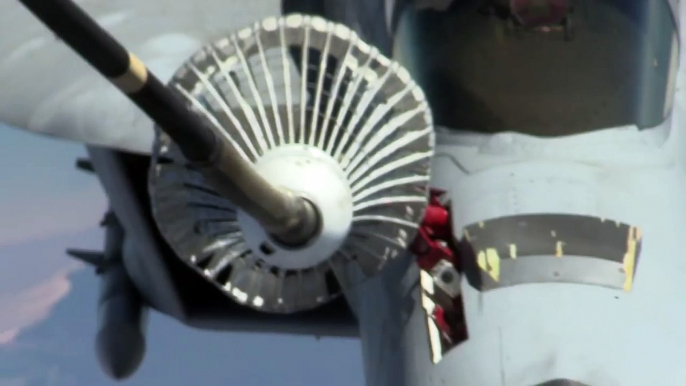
[[441, 323], [432, 243]]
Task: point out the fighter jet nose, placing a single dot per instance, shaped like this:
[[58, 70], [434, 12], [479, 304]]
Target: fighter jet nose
[[120, 350]]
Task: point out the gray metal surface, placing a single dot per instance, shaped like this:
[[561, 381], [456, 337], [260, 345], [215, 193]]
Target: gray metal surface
[[528, 334], [550, 333], [550, 247], [375, 125], [48, 89]]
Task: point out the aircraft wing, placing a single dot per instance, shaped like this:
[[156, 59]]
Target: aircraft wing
[[48, 89]]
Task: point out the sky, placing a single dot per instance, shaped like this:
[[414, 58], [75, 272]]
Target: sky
[[48, 301]]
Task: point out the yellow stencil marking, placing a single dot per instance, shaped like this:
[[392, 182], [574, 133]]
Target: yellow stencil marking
[[489, 262], [466, 235], [493, 263], [481, 260], [558, 249], [481, 224], [629, 262], [513, 251]]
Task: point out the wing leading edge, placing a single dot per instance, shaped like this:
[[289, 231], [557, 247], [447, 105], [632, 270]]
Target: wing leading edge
[[48, 89]]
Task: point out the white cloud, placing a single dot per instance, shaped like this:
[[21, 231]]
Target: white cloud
[[36, 276], [8, 336], [24, 309]]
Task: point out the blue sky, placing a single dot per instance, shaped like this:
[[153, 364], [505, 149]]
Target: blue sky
[[47, 301]]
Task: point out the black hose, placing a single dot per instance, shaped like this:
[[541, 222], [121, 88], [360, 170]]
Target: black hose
[[291, 219]]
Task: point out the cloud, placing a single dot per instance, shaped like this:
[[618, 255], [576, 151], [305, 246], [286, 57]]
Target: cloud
[[23, 220], [8, 336], [24, 309], [35, 278]]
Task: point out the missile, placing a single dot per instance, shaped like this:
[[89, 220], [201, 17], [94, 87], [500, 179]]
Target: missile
[[122, 317]]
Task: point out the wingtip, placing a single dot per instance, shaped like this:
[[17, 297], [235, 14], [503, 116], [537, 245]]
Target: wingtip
[[85, 165], [94, 258]]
